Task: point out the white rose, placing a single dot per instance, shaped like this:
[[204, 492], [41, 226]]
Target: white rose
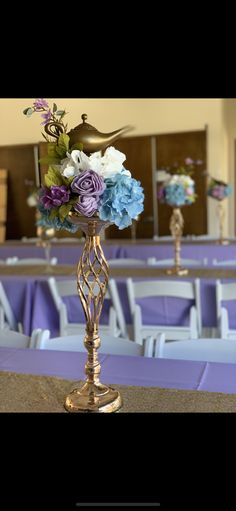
[[71, 166], [95, 162], [112, 162], [69, 171]]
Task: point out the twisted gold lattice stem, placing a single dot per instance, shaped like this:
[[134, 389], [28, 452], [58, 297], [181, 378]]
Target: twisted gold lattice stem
[[92, 281], [176, 229], [221, 218]]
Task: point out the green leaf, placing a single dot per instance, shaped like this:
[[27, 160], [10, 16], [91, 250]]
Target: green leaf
[[28, 111], [68, 180], [63, 142], [78, 146], [60, 151], [54, 213], [60, 112], [64, 210], [53, 177], [52, 149], [54, 108], [50, 160]]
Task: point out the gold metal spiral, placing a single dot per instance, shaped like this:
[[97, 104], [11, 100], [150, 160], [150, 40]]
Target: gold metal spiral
[[176, 229], [92, 281]]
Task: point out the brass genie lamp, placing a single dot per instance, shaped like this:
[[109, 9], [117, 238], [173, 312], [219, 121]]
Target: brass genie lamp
[[92, 139]]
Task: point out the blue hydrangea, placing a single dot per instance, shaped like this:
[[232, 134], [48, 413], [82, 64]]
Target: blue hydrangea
[[122, 200], [175, 195], [45, 221]]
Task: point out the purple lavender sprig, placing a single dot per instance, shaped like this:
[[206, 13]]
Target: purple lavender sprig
[[48, 114]]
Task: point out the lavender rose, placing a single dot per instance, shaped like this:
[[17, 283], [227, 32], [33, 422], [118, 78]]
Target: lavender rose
[[88, 183], [87, 206], [54, 196]]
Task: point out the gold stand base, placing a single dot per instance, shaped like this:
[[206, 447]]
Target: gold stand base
[[177, 271], [95, 398]]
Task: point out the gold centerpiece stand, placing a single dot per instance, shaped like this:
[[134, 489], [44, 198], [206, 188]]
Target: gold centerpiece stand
[[221, 217], [92, 270], [176, 229], [92, 280]]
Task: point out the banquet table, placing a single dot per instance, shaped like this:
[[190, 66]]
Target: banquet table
[[124, 370], [69, 253], [28, 292], [28, 393]]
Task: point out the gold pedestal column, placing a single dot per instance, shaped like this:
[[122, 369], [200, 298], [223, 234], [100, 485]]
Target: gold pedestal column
[[221, 217], [92, 280], [176, 229], [44, 235]]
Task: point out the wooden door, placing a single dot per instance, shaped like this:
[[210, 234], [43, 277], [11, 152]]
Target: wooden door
[[172, 149], [19, 160]]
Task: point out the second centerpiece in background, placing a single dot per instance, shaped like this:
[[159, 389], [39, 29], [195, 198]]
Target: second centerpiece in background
[[178, 190], [219, 191]]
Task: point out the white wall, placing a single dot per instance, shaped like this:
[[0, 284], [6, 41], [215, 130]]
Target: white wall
[[229, 119], [148, 116]]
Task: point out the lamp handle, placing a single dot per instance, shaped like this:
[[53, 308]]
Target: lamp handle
[[56, 131]]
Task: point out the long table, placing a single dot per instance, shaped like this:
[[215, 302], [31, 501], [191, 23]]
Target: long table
[[69, 253], [124, 370]]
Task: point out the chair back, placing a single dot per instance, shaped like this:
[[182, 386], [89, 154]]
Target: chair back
[[162, 288], [110, 344], [31, 260], [126, 261], [10, 339], [208, 350], [7, 317], [64, 288], [224, 292], [186, 262], [227, 262]]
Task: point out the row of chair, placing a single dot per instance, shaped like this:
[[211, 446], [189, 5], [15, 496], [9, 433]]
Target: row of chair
[[208, 350], [152, 261], [127, 261], [29, 260], [40, 339], [143, 289], [136, 290]]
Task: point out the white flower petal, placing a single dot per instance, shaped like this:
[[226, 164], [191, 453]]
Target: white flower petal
[[69, 171]]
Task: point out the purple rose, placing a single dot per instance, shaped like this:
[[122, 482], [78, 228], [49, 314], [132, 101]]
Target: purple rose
[[54, 196], [88, 183], [87, 206]]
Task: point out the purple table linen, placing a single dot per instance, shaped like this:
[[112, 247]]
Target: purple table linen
[[124, 370], [69, 254], [65, 254], [189, 251], [32, 304]]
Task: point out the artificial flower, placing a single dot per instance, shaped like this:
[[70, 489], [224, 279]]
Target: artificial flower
[[92, 185], [218, 189], [88, 183]]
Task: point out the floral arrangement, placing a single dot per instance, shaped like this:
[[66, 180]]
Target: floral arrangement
[[89, 186], [179, 188], [218, 189], [32, 198]]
